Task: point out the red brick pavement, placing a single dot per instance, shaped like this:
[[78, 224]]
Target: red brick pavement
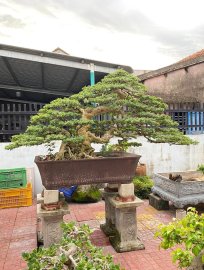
[[18, 234], [148, 219]]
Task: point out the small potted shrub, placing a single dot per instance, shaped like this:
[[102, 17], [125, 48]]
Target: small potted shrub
[[186, 236], [125, 110], [142, 186]]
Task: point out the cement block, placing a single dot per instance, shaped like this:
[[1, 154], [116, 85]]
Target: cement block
[[51, 196], [157, 202], [126, 190], [180, 213]]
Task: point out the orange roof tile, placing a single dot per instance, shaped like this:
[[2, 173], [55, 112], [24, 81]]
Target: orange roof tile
[[190, 60], [193, 56]]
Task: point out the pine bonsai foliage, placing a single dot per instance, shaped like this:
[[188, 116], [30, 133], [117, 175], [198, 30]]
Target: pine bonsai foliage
[[125, 111]]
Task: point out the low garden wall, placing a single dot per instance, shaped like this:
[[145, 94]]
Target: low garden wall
[[157, 157], [171, 158]]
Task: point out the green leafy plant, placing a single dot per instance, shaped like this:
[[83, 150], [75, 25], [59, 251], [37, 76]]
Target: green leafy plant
[[142, 185], [201, 168], [85, 194], [126, 112], [85, 255], [187, 232]]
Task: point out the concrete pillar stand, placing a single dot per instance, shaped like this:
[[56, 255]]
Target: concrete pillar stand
[[109, 226], [125, 227], [50, 210], [51, 220]]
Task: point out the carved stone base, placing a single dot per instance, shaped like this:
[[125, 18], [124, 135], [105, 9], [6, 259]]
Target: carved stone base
[[108, 229], [122, 226], [127, 245], [51, 224]]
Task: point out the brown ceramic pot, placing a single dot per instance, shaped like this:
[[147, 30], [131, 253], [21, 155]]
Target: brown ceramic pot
[[119, 167]]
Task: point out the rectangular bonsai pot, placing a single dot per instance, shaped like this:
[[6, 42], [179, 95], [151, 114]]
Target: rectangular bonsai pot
[[186, 192], [117, 168]]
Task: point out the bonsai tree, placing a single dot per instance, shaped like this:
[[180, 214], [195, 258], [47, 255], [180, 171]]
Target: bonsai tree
[[127, 111], [186, 236], [118, 106]]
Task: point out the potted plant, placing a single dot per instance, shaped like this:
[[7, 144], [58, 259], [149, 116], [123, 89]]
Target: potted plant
[[118, 106], [186, 236]]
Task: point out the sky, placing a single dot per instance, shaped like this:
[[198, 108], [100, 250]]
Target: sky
[[143, 34]]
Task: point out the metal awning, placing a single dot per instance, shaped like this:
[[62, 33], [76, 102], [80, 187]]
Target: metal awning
[[39, 76]]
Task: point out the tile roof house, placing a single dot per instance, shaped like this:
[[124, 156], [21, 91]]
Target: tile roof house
[[181, 86]]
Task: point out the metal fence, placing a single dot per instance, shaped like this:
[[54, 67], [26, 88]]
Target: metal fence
[[15, 116], [190, 116]]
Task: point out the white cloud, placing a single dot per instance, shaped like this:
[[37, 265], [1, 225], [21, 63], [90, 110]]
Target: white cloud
[[143, 34]]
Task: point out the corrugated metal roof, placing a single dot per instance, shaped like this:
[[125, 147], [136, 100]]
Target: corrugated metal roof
[[47, 75]]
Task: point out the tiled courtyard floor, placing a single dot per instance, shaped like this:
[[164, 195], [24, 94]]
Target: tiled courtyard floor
[[18, 234]]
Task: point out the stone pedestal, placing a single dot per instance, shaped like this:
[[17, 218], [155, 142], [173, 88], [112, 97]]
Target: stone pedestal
[[109, 227], [51, 220], [125, 226]]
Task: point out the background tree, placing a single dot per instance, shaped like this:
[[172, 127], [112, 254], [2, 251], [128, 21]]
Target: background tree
[[125, 111]]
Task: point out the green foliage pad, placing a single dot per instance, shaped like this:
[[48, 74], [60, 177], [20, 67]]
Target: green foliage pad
[[124, 107]]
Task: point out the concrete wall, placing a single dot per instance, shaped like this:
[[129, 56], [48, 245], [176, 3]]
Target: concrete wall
[[179, 85], [158, 157], [162, 157], [23, 157], [168, 158]]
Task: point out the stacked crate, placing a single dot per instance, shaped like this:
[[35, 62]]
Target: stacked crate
[[14, 189]]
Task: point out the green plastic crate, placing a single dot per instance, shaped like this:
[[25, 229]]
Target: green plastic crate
[[13, 178]]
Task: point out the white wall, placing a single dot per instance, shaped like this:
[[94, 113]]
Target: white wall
[[157, 157], [170, 158], [23, 157]]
